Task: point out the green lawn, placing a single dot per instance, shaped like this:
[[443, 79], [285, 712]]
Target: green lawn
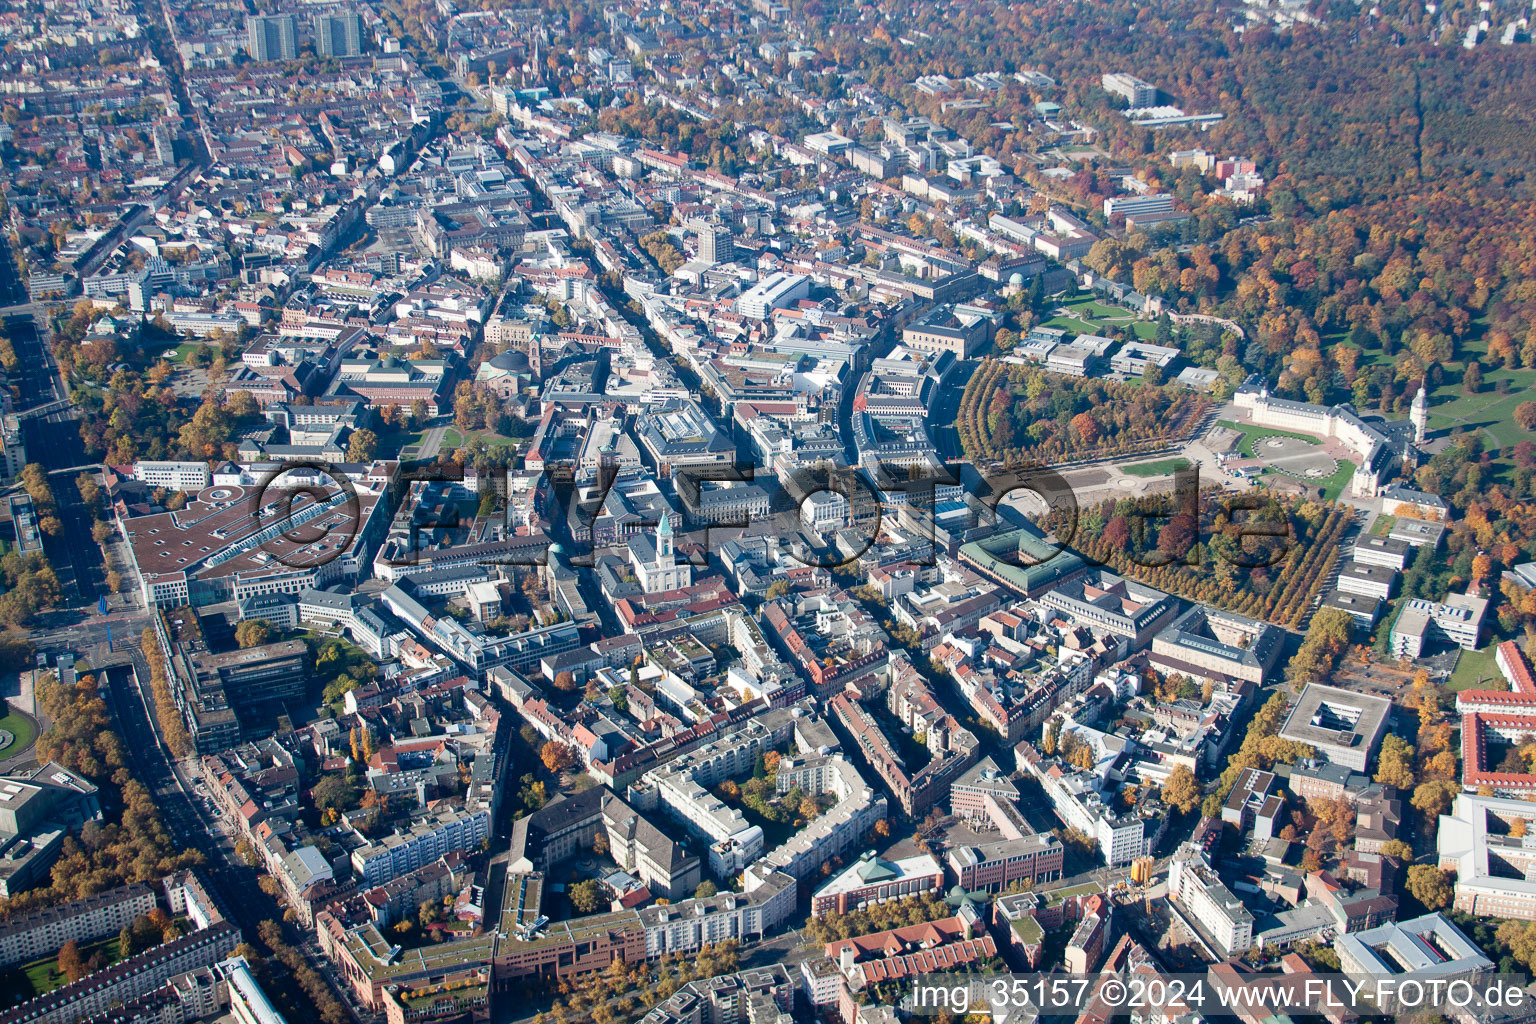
[[1089, 315], [22, 728], [40, 977], [1055, 896], [455, 438], [1450, 406], [183, 350], [1332, 486], [403, 438], [1251, 434], [1162, 467], [1097, 310], [1383, 526], [1476, 670], [1072, 324]]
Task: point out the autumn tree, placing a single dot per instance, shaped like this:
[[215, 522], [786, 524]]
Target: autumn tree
[[557, 757], [1181, 791], [1430, 886], [71, 963], [1394, 765], [362, 445], [252, 632], [1087, 427], [586, 896], [1433, 799], [90, 490], [1328, 638]]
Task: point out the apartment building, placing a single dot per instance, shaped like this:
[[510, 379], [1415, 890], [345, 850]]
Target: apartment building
[[213, 939], [1075, 797], [690, 925], [26, 937], [764, 995], [272, 37], [1194, 888], [836, 833], [422, 843], [682, 788]]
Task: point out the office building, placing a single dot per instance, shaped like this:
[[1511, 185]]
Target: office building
[[997, 865], [1208, 644], [776, 291], [873, 879], [1457, 620], [1138, 206], [1495, 871], [1389, 552], [715, 244], [1428, 948], [1109, 604], [1343, 727], [1137, 92], [1368, 580], [173, 476], [949, 328]]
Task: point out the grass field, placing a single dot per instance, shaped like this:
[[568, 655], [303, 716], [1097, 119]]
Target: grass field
[[1162, 467], [1382, 526], [22, 728], [1477, 670], [1450, 406]]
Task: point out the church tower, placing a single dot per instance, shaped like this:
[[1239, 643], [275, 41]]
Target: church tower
[[664, 552], [1418, 414]]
